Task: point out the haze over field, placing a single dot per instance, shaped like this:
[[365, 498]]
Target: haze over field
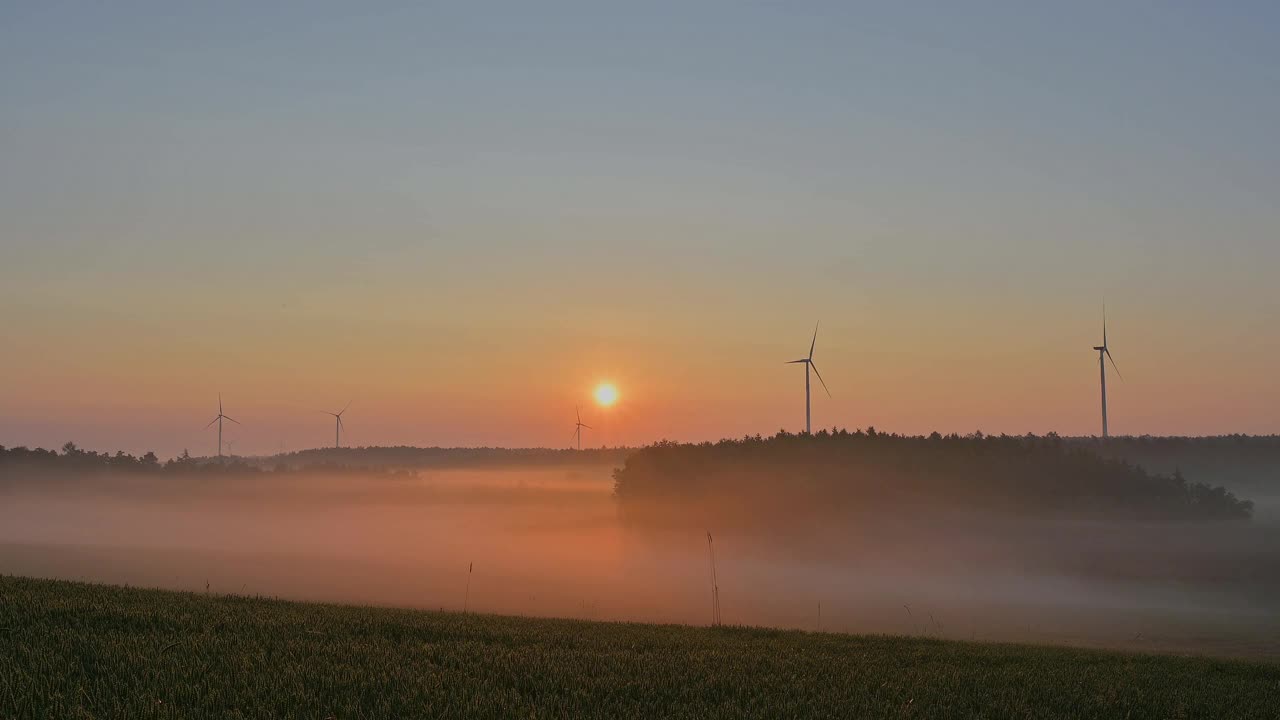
[[554, 540]]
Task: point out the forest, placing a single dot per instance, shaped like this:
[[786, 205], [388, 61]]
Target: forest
[[363, 460], [832, 471], [39, 464], [839, 472], [1241, 462]]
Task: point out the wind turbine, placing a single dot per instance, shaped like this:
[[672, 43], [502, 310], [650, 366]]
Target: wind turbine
[[337, 424], [577, 428], [1102, 369], [808, 364], [221, 416]]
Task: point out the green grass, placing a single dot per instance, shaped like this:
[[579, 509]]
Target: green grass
[[70, 650]]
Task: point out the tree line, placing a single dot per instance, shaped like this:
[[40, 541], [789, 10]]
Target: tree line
[[1241, 462], [840, 471], [73, 461], [431, 457]]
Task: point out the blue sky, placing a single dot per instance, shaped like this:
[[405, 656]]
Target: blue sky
[[939, 178]]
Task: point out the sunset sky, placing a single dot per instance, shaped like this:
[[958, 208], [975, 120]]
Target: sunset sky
[[463, 218]]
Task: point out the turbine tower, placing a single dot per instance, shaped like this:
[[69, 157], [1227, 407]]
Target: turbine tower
[[808, 364], [577, 428], [221, 416], [337, 424], [1104, 354]]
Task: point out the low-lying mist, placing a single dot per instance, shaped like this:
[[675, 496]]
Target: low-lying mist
[[552, 541]]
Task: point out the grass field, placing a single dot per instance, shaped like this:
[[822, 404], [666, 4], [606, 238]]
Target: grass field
[[70, 650]]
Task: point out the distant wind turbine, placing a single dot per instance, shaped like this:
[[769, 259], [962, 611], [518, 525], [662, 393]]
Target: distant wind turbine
[[1102, 369], [337, 424], [808, 364], [221, 416], [577, 428]]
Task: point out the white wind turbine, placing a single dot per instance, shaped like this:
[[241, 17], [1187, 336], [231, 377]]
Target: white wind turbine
[[221, 416], [337, 424], [1102, 369], [808, 364], [577, 428]]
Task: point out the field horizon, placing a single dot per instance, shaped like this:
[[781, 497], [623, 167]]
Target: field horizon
[[136, 652], [1264, 440]]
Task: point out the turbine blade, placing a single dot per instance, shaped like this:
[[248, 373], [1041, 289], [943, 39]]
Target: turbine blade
[[233, 420], [344, 407], [815, 372], [793, 362], [219, 403], [588, 427], [577, 411], [815, 340], [1113, 364], [211, 422]]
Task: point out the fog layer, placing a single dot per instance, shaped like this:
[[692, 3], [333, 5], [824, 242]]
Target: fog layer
[[550, 541]]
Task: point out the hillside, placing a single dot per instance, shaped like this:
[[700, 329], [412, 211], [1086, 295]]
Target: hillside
[[71, 461], [843, 473], [1244, 463], [75, 650]]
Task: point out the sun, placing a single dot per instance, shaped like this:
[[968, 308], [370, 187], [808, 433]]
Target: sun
[[606, 394]]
